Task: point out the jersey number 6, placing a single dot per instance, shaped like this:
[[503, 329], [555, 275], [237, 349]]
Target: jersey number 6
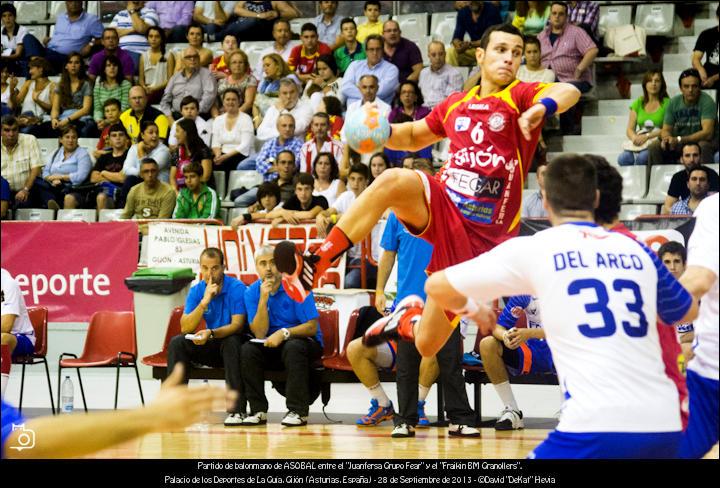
[[601, 307]]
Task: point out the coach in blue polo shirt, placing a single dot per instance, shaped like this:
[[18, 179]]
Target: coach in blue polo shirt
[[292, 340], [218, 300]]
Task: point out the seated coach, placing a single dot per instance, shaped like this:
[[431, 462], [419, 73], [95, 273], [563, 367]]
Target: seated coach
[[217, 299], [292, 341]]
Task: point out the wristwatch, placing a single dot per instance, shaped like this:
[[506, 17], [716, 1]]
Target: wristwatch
[[212, 334], [286, 334]]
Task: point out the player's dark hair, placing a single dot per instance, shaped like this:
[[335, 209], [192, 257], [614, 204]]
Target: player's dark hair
[[360, 169], [610, 185], [673, 247], [213, 252], [570, 184], [507, 28]]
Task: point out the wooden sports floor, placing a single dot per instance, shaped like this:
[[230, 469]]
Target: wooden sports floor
[[326, 441]]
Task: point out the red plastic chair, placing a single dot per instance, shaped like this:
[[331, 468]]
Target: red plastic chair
[[329, 326], [340, 361], [159, 359], [110, 343], [39, 320]]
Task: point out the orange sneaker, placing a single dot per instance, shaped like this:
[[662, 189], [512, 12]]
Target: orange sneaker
[[398, 324], [298, 271]]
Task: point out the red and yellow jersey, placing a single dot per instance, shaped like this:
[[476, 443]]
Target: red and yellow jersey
[[489, 158]]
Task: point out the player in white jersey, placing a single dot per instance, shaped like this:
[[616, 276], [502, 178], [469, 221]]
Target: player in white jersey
[[515, 350], [701, 279], [602, 293], [18, 335]]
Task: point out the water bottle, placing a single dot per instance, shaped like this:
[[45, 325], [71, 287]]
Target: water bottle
[[67, 396]]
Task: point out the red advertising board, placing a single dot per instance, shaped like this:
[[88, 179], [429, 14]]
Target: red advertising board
[[73, 268]]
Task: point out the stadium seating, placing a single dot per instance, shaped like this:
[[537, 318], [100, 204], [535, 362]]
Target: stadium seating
[[532, 182], [220, 188], [413, 26], [77, 215], [676, 62], [632, 210], [253, 50], [361, 19], [110, 214], [110, 343], [34, 214], [239, 179], [613, 16], [296, 24], [442, 26], [704, 24], [609, 125], [656, 18], [634, 181], [55, 9], [422, 43], [39, 319], [660, 177], [32, 11]]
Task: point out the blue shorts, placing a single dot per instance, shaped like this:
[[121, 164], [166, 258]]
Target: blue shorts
[[4, 190], [24, 346], [608, 445], [702, 431], [533, 356]]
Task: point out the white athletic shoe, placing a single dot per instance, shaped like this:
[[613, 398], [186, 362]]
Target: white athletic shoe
[[234, 419], [259, 418], [463, 431], [293, 419], [403, 430], [509, 420]]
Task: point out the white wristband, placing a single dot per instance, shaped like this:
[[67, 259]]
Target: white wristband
[[469, 309]]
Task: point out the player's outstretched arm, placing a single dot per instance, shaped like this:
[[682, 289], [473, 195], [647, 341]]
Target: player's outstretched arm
[[175, 407], [697, 280], [565, 96], [411, 136], [446, 296]]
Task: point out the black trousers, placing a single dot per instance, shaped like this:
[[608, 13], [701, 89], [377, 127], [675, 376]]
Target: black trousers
[[449, 360], [216, 353], [296, 356]]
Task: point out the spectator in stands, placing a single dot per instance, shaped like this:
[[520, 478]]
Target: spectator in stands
[[303, 57], [646, 119], [286, 170], [110, 42], [279, 168], [533, 70], [190, 149], [156, 65], [220, 66], [152, 199], [401, 52], [472, 20], [288, 101], [12, 36], [690, 117], [532, 206], [212, 16], [76, 31], [132, 25], [440, 79], [674, 257], [328, 24], [193, 80], [303, 205], [379, 162], [190, 110], [357, 181], [531, 17], [585, 15], [327, 177], [232, 139], [21, 163], [373, 26], [333, 107], [286, 139], [174, 17], [324, 81], [109, 85], [253, 19], [678, 188], [351, 49], [319, 142], [196, 200], [409, 102], [72, 101], [698, 187], [569, 51], [293, 341], [4, 200], [707, 45], [268, 196], [8, 91], [69, 165], [107, 172], [282, 45], [35, 96], [217, 299], [139, 112], [195, 39], [150, 147], [240, 78], [386, 74], [274, 70], [111, 113], [408, 161]]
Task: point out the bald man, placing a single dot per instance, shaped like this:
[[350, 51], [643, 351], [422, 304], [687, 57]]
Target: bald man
[[192, 80]]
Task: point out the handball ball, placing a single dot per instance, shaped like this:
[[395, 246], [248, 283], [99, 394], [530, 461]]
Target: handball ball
[[367, 129]]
